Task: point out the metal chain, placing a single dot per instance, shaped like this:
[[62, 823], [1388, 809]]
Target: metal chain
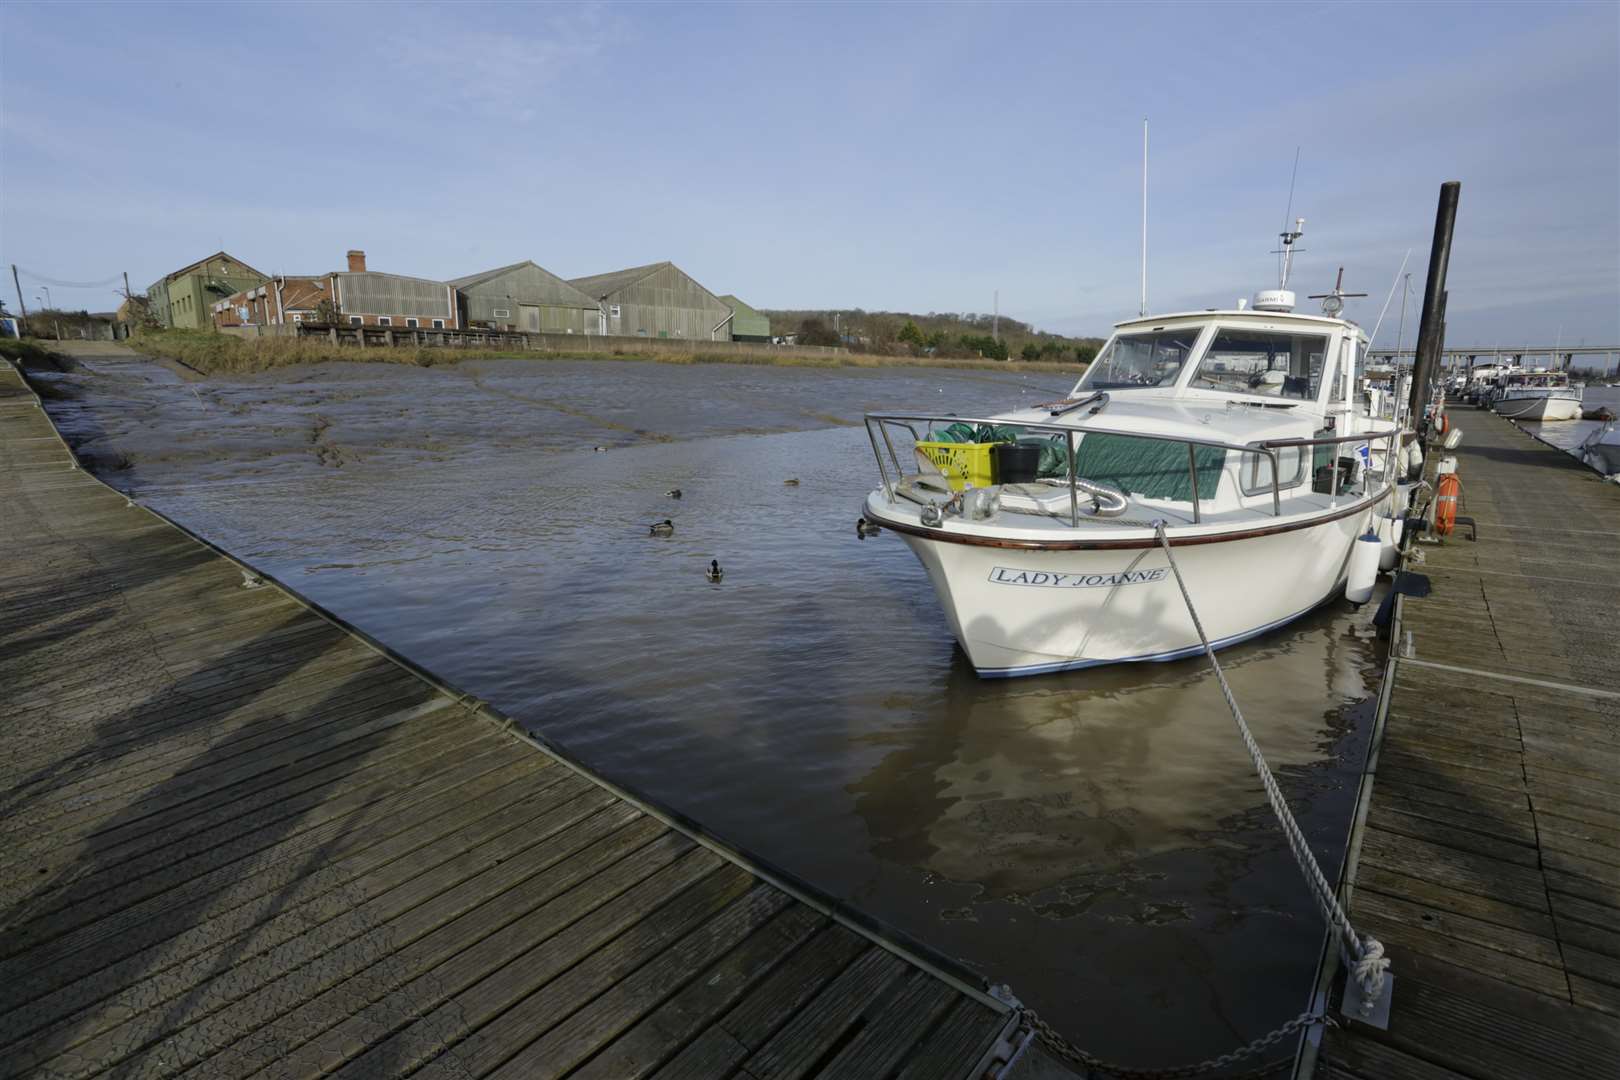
[[1364, 955], [1092, 1064]]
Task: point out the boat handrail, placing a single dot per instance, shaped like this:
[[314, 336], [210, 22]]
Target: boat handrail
[[1268, 447]]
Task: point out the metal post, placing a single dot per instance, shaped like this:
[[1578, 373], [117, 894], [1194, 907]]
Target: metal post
[[899, 470], [883, 472], [1276, 484], [1192, 471], [1431, 330], [22, 326]]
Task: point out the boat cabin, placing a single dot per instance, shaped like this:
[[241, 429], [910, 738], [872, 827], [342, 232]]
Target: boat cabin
[[1258, 358], [1187, 415]]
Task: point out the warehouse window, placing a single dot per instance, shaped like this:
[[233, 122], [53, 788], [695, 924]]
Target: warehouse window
[[412, 323], [438, 324], [502, 313], [355, 320], [385, 320]]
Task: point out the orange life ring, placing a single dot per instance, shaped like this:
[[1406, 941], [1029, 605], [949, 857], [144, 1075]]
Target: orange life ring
[[1445, 504], [1443, 424]]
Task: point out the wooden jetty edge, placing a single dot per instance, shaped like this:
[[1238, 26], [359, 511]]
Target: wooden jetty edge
[[241, 839], [1485, 853]]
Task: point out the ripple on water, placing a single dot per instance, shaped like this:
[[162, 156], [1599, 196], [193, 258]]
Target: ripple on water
[[1097, 840]]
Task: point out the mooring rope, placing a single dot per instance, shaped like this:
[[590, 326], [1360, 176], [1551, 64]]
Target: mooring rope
[[1364, 954]]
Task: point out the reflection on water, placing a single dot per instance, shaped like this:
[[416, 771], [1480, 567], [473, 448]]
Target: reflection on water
[[1032, 782], [1098, 840]]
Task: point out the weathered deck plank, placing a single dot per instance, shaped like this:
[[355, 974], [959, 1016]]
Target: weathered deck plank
[[1489, 861], [237, 839]]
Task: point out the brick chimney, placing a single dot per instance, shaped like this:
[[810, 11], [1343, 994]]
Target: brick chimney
[[357, 262]]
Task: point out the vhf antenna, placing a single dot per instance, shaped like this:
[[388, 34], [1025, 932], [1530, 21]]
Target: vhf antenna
[[1282, 269], [1287, 248]]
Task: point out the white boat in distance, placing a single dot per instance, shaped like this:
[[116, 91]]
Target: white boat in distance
[[1601, 450], [1537, 395], [1239, 431]]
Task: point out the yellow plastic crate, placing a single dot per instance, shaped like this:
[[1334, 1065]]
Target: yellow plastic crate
[[961, 463]]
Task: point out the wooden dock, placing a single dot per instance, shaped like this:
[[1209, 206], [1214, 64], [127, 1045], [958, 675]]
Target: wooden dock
[[1486, 853], [239, 839]]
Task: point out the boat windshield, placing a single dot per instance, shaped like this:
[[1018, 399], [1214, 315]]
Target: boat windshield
[[1258, 362], [1141, 360]]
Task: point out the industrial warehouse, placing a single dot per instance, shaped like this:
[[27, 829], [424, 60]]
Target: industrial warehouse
[[658, 300]]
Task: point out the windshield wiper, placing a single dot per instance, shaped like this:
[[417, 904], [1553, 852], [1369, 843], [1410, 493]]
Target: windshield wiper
[[1100, 398]]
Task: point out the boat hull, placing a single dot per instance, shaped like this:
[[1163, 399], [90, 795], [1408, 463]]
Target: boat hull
[[1031, 611], [1602, 450], [1538, 407]]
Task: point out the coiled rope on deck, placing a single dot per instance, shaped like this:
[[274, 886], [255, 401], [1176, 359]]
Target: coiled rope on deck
[[1363, 953]]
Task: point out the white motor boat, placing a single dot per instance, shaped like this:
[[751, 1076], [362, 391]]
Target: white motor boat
[[1484, 380], [1537, 395], [1601, 450], [1238, 433]]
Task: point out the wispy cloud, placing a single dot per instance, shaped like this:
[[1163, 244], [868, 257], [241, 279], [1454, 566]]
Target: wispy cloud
[[513, 72]]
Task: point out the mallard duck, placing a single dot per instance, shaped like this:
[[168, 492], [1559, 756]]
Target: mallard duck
[[790, 483], [864, 528], [714, 573], [662, 528], [599, 449], [673, 493]]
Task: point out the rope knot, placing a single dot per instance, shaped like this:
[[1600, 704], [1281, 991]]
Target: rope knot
[[1369, 969]]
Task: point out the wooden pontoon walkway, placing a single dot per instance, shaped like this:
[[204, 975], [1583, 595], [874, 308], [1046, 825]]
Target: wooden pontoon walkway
[[1488, 861], [240, 840]]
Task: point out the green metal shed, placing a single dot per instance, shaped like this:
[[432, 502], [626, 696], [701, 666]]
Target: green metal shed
[[747, 324], [659, 300], [526, 297]]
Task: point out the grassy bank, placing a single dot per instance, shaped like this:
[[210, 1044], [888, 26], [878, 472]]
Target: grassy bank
[[27, 353], [212, 353]]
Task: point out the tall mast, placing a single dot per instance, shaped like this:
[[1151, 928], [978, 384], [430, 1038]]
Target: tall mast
[[1142, 310]]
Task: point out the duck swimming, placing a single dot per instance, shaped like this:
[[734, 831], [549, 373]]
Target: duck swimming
[[673, 493], [714, 573], [864, 528], [662, 528], [790, 483]]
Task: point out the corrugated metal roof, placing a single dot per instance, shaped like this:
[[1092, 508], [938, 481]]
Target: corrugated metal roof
[[558, 290], [745, 319], [599, 286], [216, 255]]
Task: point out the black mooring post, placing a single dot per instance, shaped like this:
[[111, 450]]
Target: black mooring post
[[1432, 330]]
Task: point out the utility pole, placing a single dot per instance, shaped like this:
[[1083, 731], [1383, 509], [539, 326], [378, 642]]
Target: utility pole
[[20, 302], [995, 320]]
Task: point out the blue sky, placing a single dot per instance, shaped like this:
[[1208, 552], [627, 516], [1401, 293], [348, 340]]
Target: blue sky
[[903, 157]]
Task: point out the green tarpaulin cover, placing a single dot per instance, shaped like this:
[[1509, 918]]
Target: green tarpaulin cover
[[1151, 468]]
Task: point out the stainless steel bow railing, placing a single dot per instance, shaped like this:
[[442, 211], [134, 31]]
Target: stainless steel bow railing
[[878, 424]]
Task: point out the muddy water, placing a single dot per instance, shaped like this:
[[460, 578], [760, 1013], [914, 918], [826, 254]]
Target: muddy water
[[1097, 840]]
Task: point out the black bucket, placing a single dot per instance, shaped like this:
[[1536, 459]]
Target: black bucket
[[1016, 463]]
